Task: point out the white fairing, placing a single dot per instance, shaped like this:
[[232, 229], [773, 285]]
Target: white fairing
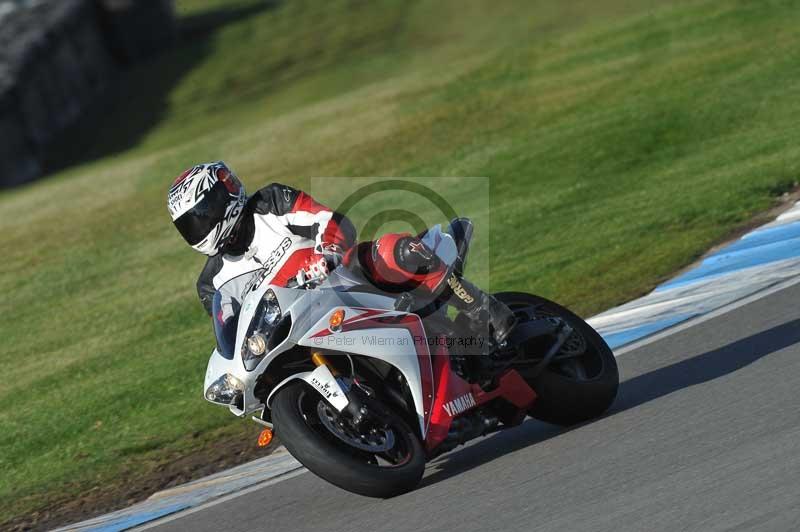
[[402, 344], [401, 347], [218, 366]]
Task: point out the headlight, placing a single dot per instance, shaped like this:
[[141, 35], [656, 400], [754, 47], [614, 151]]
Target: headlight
[[256, 343], [227, 390], [270, 308]]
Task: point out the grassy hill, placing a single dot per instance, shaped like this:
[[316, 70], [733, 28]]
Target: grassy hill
[[621, 139]]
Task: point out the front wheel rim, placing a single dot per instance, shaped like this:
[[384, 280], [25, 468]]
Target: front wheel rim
[[395, 451], [375, 441]]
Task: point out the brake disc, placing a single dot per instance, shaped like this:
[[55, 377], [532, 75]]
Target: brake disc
[[375, 441]]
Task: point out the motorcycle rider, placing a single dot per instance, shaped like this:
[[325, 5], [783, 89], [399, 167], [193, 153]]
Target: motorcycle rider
[[279, 231]]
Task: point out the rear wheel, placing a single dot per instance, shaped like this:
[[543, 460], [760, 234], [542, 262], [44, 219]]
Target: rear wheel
[[582, 379], [378, 458]]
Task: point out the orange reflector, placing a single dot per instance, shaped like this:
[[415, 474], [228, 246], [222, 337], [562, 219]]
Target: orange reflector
[[336, 319], [265, 438]]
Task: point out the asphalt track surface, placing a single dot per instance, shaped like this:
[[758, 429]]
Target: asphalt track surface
[[704, 435]]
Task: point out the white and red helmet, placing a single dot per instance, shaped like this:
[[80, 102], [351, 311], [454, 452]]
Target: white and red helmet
[[205, 202]]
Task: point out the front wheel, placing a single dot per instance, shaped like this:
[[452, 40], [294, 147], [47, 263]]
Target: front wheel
[[581, 381], [377, 459]]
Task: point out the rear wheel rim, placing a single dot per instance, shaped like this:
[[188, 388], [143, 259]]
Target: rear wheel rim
[[579, 359]]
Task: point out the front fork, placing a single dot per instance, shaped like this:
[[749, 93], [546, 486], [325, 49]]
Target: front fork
[[335, 389], [355, 407]]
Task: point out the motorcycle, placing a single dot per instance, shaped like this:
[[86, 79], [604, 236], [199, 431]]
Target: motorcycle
[[364, 386]]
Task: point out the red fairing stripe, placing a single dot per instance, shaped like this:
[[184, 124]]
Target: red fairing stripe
[[448, 387], [456, 397]]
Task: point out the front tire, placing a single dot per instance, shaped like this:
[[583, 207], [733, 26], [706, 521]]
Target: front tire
[[569, 395], [295, 412]]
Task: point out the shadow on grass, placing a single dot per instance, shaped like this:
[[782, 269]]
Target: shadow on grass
[[138, 100], [632, 393]]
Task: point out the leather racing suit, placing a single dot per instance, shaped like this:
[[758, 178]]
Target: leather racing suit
[[282, 230]]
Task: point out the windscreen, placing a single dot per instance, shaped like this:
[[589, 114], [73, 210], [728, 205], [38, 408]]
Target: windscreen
[[224, 331]]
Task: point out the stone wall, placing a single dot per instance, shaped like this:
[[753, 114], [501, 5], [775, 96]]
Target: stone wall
[[56, 58]]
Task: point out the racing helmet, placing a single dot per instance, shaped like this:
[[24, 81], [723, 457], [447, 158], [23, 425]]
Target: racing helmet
[[205, 203]]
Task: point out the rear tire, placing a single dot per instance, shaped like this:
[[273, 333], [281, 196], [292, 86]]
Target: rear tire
[[335, 461], [569, 399]]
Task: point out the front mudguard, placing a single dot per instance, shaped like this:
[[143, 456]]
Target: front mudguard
[[321, 380]]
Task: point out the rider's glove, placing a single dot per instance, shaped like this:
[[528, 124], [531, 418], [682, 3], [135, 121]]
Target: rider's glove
[[315, 267], [334, 254]]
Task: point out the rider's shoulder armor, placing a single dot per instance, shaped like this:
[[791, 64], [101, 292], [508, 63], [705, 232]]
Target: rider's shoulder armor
[[274, 199]]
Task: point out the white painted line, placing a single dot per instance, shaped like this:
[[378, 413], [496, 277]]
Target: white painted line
[[183, 513], [700, 297], [705, 317]]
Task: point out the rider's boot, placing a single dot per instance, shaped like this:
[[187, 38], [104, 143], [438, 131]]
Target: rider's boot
[[481, 308]]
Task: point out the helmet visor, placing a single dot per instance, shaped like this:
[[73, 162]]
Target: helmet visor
[[196, 223]]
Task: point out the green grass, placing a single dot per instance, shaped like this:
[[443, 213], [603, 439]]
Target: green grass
[[621, 140]]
